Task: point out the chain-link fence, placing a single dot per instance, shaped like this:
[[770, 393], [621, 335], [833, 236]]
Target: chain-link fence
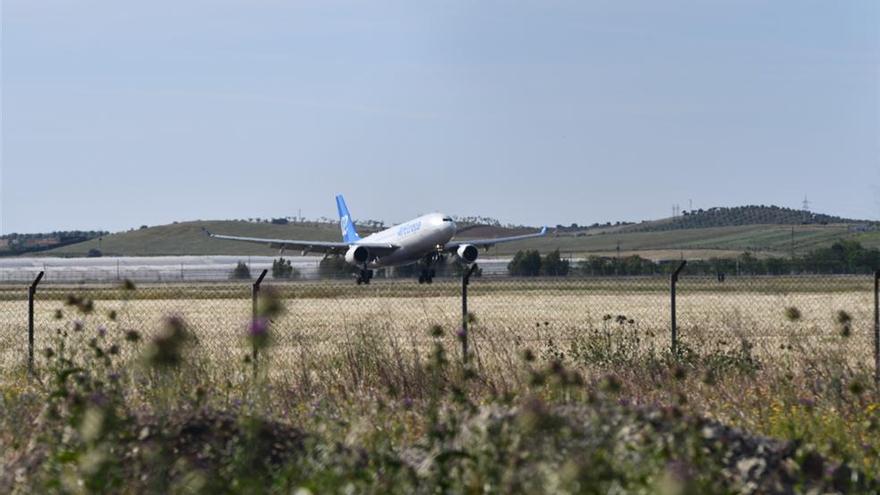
[[780, 320]]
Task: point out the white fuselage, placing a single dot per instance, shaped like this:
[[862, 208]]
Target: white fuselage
[[417, 238]]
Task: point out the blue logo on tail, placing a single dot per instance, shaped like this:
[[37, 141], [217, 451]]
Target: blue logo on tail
[[349, 235]]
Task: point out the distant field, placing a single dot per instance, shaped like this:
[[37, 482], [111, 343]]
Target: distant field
[[766, 240]]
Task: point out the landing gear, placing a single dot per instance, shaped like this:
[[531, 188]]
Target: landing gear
[[364, 276], [427, 276]]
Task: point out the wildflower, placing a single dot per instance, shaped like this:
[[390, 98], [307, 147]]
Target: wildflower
[[77, 325], [461, 333], [258, 331], [102, 331], [436, 331], [165, 349], [269, 304], [258, 327]]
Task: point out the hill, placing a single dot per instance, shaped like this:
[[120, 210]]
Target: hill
[[188, 238], [739, 216]]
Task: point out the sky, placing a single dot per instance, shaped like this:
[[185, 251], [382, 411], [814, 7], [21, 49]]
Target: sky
[[118, 114]]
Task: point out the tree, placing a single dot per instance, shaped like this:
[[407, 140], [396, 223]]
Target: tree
[[282, 268], [596, 265], [554, 266], [241, 271], [525, 264]]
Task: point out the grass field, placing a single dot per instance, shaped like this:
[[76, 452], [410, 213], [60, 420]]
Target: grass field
[[377, 370], [188, 238], [517, 310]]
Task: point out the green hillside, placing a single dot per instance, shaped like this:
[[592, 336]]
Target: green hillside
[[740, 216], [189, 238], [771, 240]]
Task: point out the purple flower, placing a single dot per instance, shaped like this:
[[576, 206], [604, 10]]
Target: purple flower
[[407, 403], [461, 333], [102, 331], [259, 327], [98, 399]]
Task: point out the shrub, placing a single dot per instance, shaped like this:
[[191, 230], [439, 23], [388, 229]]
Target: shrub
[[241, 271], [282, 268]]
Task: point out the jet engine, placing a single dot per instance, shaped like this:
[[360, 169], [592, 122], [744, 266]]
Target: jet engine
[[357, 255], [467, 253]]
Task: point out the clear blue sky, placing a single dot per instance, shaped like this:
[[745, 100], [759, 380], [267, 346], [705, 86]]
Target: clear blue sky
[[117, 114]]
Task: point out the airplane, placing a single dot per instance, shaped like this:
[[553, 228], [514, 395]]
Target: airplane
[[424, 240]]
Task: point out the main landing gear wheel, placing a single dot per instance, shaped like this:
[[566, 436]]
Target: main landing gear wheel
[[427, 276], [364, 276]]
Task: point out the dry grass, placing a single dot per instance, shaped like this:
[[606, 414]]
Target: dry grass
[[518, 314], [350, 361]]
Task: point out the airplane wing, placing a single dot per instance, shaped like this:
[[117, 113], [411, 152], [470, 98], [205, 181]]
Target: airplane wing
[[487, 243], [327, 247]]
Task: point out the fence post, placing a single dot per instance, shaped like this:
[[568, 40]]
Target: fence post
[[877, 326], [32, 291], [673, 280], [255, 292], [465, 280]]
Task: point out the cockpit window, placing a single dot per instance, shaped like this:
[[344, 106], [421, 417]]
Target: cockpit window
[[447, 219]]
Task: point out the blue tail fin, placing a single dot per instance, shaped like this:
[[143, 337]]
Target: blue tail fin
[[349, 235]]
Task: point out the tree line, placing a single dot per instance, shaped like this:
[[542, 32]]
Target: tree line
[[842, 257]]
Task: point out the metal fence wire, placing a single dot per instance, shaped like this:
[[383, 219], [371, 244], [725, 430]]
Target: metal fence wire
[[781, 320]]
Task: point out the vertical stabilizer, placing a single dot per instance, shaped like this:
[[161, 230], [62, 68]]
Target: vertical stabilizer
[[346, 224]]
